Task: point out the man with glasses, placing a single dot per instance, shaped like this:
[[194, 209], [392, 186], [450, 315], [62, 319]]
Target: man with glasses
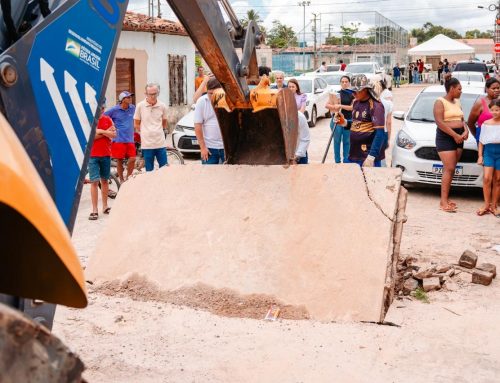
[[123, 145], [150, 120], [206, 127]]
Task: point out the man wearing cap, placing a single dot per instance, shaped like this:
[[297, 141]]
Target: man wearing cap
[[123, 145], [367, 130], [206, 127], [150, 120]]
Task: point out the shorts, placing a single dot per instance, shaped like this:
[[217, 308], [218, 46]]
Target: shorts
[[99, 167], [121, 150], [491, 156], [445, 142]]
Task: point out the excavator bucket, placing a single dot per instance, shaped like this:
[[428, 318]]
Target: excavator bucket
[[37, 258], [320, 241], [264, 135]]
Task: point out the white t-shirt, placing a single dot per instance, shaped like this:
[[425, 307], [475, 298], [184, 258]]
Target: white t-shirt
[[386, 100], [303, 138], [151, 117], [204, 114], [490, 134]]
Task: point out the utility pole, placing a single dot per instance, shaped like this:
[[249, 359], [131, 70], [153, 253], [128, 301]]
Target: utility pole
[[159, 10], [329, 30], [315, 46], [305, 4], [495, 7]]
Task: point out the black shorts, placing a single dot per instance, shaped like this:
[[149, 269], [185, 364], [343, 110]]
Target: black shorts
[[445, 142]]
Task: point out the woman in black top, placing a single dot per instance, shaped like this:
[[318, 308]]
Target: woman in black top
[[341, 103]]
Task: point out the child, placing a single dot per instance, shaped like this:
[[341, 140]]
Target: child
[[100, 162], [489, 157]]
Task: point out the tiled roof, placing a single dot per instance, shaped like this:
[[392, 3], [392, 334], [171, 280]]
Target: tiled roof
[[477, 41], [142, 23]]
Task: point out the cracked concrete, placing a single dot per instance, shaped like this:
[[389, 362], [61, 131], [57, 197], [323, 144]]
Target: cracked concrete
[[318, 236]]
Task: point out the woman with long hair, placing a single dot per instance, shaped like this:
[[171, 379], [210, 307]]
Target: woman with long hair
[[451, 133], [300, 98], [480, 111]]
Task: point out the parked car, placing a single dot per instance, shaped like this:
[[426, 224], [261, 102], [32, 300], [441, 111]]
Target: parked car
[[472, 66], [371, 69], [470, 79], [183, 137], [332, 79], [317, 91], [330, 68], [414, 150]]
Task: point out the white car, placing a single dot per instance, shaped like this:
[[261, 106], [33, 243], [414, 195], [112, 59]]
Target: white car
[[414, 150], [470, 79], [330, 68], [317, 91], [370, 69], [331, 78], [183, 137]]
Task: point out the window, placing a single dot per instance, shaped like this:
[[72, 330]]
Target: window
[[386, 60], [177, 80]]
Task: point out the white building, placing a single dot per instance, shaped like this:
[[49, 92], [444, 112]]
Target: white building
[[154, 50]]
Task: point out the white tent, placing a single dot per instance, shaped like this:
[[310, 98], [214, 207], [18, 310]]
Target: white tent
[[440, 45]]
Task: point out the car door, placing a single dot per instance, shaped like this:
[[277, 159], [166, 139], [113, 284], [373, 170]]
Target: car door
[[322, 96]]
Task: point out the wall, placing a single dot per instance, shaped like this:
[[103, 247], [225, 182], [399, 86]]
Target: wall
[[151, 50]]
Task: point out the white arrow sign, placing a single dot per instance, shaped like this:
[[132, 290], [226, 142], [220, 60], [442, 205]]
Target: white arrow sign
[[47, 76], [70, 88], [90, 98]]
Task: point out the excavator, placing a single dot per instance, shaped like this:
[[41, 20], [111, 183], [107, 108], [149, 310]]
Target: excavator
[[52, 80]]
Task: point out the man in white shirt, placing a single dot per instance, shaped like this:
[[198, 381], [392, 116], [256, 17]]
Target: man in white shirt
[[322, 68], [150, 120], [206, 127], [303, 140]]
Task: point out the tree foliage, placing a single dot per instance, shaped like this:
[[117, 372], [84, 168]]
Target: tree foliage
[[253, 16], [429, 30], [477, 34], [281, 36]]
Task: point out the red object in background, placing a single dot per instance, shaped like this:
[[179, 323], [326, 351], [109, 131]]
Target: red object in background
[[137, 137], [498, 21]]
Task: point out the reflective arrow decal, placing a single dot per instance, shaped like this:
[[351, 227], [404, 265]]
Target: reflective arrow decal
[[47, 76], [70, 88], [90, 98]]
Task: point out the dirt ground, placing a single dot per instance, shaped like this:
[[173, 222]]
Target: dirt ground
[[454, 338]]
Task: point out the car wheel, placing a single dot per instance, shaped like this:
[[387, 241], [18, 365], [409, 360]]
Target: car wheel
[[314, 117]]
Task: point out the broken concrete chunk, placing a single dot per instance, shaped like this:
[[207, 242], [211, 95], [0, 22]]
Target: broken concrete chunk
[[409, 286], [424, 273], [488, 267], [443, 268], [468, 259], [465, 277], [450, 286], [482, 277], [431, 284], [450, 273]]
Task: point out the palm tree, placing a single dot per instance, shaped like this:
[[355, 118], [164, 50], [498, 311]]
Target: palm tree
[[251, 15]]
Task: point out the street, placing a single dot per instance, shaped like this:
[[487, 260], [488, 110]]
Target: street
[[452, 338]]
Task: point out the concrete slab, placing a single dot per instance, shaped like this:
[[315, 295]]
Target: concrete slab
[[320, 237]]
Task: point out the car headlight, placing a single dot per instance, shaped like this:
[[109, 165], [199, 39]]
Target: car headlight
[[179, 128], [403, 140]]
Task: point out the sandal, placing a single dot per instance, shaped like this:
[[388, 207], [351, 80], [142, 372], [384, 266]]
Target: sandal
[[112, 194], [93, 216], [107, 210], [448, 208], [483, 211]]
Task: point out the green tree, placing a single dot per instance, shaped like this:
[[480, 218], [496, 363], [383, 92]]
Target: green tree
[[477, 34], [253, 16], [429, 30], [348, 34], [281, 36]]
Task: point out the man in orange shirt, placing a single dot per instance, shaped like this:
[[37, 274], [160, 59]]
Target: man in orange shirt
[[199, 79]]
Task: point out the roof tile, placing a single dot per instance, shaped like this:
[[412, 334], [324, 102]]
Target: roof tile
[[142, 23]]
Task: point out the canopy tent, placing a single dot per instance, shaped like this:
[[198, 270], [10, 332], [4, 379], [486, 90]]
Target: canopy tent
[[440, 45]]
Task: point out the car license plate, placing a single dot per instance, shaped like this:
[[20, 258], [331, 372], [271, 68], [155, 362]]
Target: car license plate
[[194, 142], [438, 169]]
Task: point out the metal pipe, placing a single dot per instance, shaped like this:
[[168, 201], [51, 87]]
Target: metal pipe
[[232, 15]]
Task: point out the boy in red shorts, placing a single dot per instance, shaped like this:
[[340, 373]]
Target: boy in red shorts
[[100, 163]]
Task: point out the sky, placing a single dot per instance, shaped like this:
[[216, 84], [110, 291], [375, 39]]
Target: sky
[[460, 15]]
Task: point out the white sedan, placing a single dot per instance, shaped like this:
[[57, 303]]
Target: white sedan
[[471, 79], [317, 92], [331, 78], [183, 137], [414, 150]]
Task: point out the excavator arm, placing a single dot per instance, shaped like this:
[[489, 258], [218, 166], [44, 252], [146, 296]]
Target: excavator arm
[[259, 125]]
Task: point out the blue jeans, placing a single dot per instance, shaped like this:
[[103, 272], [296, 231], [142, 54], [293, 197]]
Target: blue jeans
[[341, 135], [416, 78], [99, 167], [149, 158], [216, 157], [397, 81], [303, 160]]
